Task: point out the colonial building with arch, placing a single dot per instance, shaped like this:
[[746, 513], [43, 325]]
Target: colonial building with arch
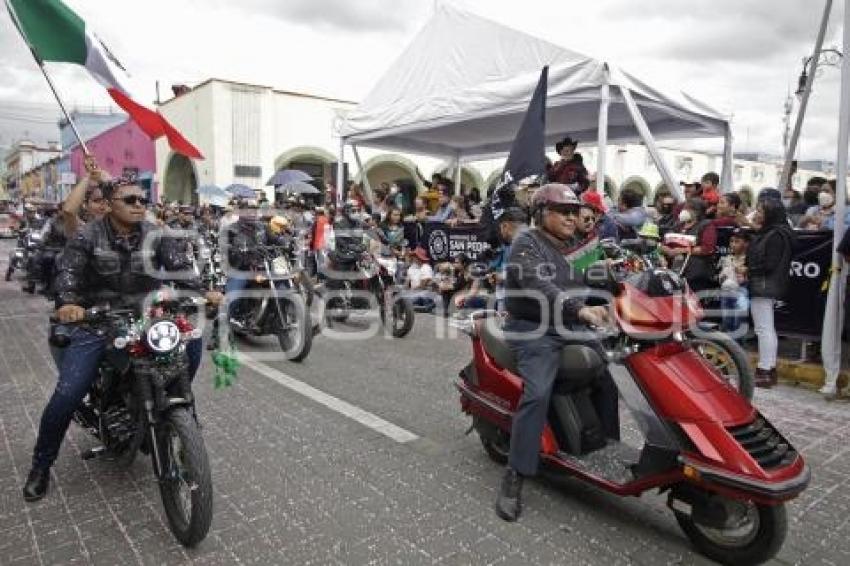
[[248, 132]]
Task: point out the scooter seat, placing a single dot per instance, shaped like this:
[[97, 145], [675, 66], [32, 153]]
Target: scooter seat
[[579, 365]]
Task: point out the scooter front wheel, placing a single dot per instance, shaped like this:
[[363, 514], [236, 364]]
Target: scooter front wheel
[[728, 358], [9, 273], [753, 534]]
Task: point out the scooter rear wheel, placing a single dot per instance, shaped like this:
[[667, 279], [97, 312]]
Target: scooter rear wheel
[[496, 443], [756, 538]]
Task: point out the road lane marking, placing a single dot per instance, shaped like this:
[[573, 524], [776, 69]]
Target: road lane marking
[[367, 419]]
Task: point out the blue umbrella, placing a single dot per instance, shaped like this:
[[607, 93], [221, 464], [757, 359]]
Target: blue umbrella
[[286, 176], [210, 192], [241, 191], [297, 188]]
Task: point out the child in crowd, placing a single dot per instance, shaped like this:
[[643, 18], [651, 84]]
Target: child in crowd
[[651, 238], [733, 282]]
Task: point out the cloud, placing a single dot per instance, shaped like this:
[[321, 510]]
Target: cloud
[[738, 56], [725, 30], [351, 16]]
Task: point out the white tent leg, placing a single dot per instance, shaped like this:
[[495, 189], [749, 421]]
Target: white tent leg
[[648, 140], [370, 198], [833, 320], [785, 179], [726, 183], [602, 136], [340, 172], [457, 174]]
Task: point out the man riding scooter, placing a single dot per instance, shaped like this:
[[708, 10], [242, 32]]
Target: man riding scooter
[[538, 276]]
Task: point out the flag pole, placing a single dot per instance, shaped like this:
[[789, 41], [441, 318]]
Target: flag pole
[[40, 64], [64, 110]]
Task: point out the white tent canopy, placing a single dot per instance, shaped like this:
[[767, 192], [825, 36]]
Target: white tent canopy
[[462, 86]]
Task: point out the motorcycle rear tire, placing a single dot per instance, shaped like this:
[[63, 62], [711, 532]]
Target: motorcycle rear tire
[[9, 273], [496, 443], [771, 531], [305, 335], [196, 463]]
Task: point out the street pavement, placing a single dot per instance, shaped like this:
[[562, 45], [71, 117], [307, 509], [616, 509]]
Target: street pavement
[[304, 472]]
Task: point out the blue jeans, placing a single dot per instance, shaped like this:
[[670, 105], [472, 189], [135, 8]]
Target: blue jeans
[[233, 285], [735, 305], [77, 364]]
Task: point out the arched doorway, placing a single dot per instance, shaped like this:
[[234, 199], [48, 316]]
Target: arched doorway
[[389, 168], [639, 184], [469, 177], [748, 195], [610, 188], [181, 182], [312, 160]]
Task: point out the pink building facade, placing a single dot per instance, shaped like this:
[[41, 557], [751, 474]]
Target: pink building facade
[[121, 150]]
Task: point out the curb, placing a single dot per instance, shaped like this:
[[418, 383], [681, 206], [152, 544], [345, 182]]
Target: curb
[[796, 372]]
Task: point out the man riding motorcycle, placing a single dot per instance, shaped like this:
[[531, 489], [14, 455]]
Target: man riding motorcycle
[[104, 263], [349, 231], [537, 276], [245, 237]]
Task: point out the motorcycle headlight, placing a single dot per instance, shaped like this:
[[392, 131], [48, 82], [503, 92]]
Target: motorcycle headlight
[[163, 337], [280, 266]]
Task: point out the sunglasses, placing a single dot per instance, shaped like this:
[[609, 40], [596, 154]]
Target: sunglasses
[[564, 209], [97, 200], [131, 200]]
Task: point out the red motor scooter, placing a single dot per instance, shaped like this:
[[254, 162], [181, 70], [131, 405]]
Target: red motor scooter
[[726, 469]]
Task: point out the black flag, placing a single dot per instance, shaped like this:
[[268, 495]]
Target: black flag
[[527, 158]]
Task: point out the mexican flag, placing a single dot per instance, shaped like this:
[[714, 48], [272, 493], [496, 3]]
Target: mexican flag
[[55, 33]]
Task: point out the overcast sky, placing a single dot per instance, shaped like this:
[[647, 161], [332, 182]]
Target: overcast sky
[[740, 56]]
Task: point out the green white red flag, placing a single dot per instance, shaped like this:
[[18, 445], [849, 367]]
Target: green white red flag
[[55, 33]]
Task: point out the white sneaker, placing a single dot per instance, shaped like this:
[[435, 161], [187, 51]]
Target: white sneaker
[[829, 391]]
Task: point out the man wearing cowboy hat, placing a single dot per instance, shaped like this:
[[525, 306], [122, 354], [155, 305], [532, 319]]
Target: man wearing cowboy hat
[[570, 169]]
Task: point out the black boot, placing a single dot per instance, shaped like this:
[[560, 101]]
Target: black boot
[[509, 502], [763, 378], [36, 486]]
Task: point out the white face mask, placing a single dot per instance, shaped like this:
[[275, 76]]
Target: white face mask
[[685, 216], [393, 190], [825, 199]]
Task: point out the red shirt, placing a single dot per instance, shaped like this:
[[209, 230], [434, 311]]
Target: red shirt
[[710, 196]]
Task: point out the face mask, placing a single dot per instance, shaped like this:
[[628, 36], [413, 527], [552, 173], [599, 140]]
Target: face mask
[[393, 190], [685, 216], [825, 199], [665, 208], [786, 202]]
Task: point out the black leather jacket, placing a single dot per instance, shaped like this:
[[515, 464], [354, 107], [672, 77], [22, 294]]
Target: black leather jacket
[[348, 236], [538, 277], [98, 266], [245, 237]]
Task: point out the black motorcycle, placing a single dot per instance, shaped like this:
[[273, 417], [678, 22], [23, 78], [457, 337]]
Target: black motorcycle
[[142, 401], [366, 281], [17, 255], [27, 257], [276, 302]]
